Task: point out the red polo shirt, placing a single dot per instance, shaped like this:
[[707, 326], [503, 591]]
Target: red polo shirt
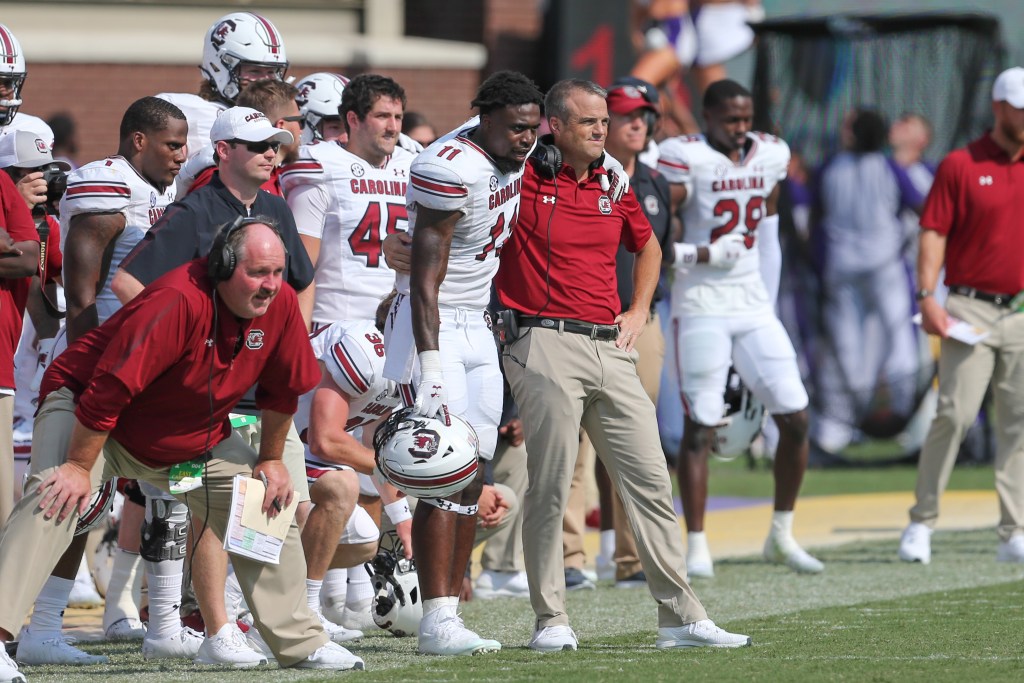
[[585, 230], [16, 219], [149, 373], [977, 201], [273, 186]]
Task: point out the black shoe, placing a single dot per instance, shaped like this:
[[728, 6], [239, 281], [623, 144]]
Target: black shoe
[[576, 581], [638, 580]]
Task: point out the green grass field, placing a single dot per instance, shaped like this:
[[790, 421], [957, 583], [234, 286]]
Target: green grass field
[[869, 617]]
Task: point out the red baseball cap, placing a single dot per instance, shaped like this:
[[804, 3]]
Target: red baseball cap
[[626, 99]]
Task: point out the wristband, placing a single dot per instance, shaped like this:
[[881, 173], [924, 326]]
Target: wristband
[[685, 254], [398, 511], [430, 362]]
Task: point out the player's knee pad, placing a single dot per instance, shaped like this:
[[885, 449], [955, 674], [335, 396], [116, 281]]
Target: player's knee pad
[[165, 531], [360, 528]]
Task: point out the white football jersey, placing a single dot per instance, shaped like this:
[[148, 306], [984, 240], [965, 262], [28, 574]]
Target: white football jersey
[[353, 355], [107, 186], [196, 163], [350, 206], [200, 115], [723, 197], [454, 174], [33, 124]]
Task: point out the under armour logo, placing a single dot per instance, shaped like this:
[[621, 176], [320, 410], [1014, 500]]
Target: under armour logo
[[209, 343], [436, 391], [399, 172], [985, 180], [548, 199]]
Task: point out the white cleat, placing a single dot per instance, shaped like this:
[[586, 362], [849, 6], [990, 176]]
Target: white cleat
[[184, 645], [40, 649], [445, 634], [493, 584], [787, 552], [336, 632], [554, 639], [1012, 550], [332, 656], [358, 617], [228, 648], [701, 633], [916, 543], [8, 669], [126, 628]]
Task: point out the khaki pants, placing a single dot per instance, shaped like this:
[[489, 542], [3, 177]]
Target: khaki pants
[[504, 549], [31, 545], [562, 381], [294, 456], [6, 456], [964, 374], [651, 349]]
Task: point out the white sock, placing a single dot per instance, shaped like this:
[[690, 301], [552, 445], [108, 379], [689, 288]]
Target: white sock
[[360, 589], [48, 613], [608, 544], [124, 589], [434, 604], [335, 588], [313, 594], [164, 580], [782, 525]]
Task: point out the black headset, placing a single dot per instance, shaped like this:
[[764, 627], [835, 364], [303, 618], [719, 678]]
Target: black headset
[[222, 259], [548, 158]]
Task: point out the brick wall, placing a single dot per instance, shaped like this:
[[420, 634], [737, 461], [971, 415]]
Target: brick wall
[[96, 95]]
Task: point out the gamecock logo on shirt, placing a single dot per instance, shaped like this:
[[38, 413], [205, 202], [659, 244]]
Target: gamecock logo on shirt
[[255, 340], [424, 443], [604, 204]]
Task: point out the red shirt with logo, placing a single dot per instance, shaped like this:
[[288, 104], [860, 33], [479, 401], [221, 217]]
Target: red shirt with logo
[[16, 219], [149, 373], [568, 235], [977, 202]]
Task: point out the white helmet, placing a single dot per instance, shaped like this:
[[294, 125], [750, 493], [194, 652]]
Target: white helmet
[[397, 605], [12, 66], [423, 457], [99, 505], [319, 97], [240, 38], [742, 420]]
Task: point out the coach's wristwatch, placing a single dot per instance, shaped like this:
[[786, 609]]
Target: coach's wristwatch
[[923, 294]]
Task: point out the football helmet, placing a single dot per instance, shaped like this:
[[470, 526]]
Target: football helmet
[[240, 38], [741, 422], [319, 97], [12, 68], [99, 505], [397, 605], [425, 458]]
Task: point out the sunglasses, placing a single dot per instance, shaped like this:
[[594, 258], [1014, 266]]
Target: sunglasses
[[298, 118], [257, 147]]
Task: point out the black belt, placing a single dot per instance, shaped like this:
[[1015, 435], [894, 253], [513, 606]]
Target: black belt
[[599, 332], [972, 293]]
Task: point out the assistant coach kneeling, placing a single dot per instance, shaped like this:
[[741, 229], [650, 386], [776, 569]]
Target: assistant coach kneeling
[[152, 387]]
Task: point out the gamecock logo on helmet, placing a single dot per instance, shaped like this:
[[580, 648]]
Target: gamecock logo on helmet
[[220, 33], [424, 443]]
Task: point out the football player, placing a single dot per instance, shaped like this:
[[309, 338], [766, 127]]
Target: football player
[[319, 101], [723, 312], [238, 48]]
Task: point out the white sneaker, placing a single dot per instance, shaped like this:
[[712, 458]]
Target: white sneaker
[[83, 593], [336, 632], [359, 617], [331, 656], [228, 648], [257, 643], [1012, 550], [125, 628], [8, 669], [37, 649], [184, 645], [553, 639], [698, 557], [493, 584], [701, 633], [445, 634], [787, 552], [916, 543]]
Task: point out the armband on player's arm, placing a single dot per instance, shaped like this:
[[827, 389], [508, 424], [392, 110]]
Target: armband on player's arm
[[685, 254], [398, 511]]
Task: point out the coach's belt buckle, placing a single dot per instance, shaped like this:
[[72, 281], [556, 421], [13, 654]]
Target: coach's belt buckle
[[186, 476]]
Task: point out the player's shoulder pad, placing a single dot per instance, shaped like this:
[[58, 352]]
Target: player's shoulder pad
[[676, 154], [32, 124], [435, 174], [97, 187], [307, 169], [193, 166], [772, 144], [354, 356]]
